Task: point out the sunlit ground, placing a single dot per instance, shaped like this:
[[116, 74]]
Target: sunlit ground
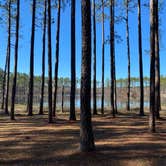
[[121, 141]]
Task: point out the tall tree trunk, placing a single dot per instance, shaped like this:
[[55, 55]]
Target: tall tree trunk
[[140, 60], [94, 59], [152, 66], [86, 131], [4, 80], [103, 57], [157, 64], [49, 65], [9, 54], [73, 66], [57, 56], [112, 56], [63, 88], [15, 61], [43, 58], [128, 54], [31, 81]]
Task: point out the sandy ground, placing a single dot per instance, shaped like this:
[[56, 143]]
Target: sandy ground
[[121, 141]]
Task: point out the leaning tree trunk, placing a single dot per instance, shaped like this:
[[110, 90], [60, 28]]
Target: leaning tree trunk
[[140, 60], [57, 57], [94, 59], [31, 81], [86, 131], [152, 67], [103, 57], [62, 104], [128, 55], [43, 58], [4, 80], [9, 54], [15, 61], [73, 66], [112, 56], [49, 64], [157, 64]]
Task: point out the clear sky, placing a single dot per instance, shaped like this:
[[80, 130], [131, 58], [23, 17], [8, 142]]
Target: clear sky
[[64, 66]]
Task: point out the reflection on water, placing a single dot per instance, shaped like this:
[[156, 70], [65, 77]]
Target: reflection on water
[[120, 104]]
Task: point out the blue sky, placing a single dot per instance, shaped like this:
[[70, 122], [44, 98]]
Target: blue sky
[[64, 65]]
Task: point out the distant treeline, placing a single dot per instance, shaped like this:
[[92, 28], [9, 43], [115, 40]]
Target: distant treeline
[[23, 78]]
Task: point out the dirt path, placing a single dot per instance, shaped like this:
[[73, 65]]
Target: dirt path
[[122, 141]]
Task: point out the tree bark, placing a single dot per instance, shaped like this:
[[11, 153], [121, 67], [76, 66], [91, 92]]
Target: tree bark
[[152, 67], [43, 58], [140, 60], [73, 66], [112, 56], [15, 61], [128, 55], [9, 54], [31, 81], [94, 59], [63, 88], [103, 57], [49, 65], [86, 131], [57, 57], [157, 64]]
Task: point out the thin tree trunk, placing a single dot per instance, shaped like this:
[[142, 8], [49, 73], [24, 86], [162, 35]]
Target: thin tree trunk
[[157, 64], [128, 55], [140, 60], [43, 58], [4, 80], [57, 57], [94, 59], [73, 66], [62, 98], [15, 61], [49, 65], [31, 81], [112, 56], [9, 54], [152, 67], [86, 131], [103, 54]]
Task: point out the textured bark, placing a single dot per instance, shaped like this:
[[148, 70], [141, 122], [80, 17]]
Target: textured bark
[[63, 88], [140, 60], [15, 61], [86, 132], [112, 56], [57, 56], [152, 67], [73, 65], [157, 65], [49, 65], [31, 75], [94, 59], [103, 57], [128, 55], [9, 54], [43, 58]]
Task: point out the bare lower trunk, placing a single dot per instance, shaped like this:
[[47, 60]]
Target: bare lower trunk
[[15, 61], [49, 64], [152, 67], [63, 98], [43, 58], [86, 132], [57, 57], [73, 66], [31, 81], [103, 52], [94, 59]]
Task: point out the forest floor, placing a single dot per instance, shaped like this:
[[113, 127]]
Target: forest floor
[[121, 141]]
